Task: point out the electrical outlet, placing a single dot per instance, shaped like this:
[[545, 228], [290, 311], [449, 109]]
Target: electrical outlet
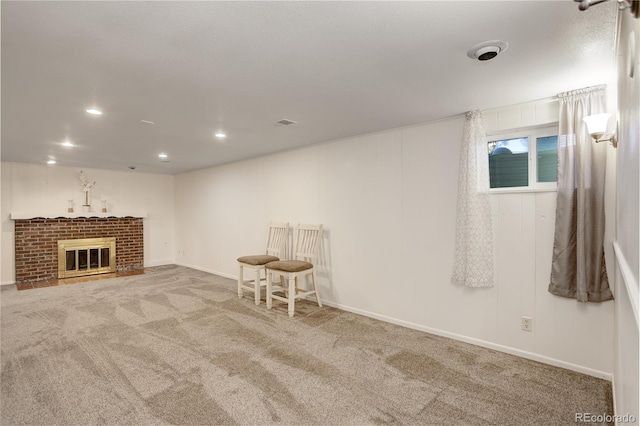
[[527, 323]]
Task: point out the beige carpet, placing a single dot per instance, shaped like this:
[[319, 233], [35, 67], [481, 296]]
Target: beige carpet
[[177, 346]]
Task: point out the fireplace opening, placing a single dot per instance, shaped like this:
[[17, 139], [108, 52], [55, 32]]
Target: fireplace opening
[[87, 256]]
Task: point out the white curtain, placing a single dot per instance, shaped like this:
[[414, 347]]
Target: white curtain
[[578, 267], [474, 233]]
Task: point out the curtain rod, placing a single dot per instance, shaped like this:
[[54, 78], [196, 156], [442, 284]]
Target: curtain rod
[[632, 5]]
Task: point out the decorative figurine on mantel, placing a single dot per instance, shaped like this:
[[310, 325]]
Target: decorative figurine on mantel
[[86, 186]]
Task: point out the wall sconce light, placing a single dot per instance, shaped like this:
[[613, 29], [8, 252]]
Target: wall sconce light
[[632, 5], [597, 127]]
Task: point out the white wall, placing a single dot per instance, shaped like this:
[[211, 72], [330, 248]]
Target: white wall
[[388, 203], [626, 371], [41, 188], [527, 233]]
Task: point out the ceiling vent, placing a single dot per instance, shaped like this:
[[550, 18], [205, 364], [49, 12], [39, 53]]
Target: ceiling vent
[[487, 50], [286, 122]]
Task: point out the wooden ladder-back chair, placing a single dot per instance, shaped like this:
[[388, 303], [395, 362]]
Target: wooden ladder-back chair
[[276, 244], [308, 240]]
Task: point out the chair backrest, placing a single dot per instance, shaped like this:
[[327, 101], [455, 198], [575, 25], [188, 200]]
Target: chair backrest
[[307, 242], [277, 239]]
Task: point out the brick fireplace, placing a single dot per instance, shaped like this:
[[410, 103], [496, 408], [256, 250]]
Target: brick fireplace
[[36, 243]]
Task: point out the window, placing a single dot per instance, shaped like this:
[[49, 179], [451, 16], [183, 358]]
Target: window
[[527, 160]]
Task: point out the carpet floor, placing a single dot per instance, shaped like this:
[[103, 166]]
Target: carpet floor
[[177, 346]]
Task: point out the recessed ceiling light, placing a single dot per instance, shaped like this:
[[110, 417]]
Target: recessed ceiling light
[[67, 144], [94, 111], [220, 135], [51, 162], [163, 155]]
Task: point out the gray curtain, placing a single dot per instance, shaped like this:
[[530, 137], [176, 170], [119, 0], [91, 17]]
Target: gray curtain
[[578, 267]]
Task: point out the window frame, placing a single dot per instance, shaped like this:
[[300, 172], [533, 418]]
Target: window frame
[[532, 133]]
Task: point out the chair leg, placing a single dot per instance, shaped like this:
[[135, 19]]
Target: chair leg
[[313, 278], [257, 287], [240, 279], [269, 300], [283, 284], [292, 296]]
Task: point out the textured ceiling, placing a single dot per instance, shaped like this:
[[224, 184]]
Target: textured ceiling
[[337, 68]]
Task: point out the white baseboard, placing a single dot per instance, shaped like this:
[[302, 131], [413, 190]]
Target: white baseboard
[[211, 271], [478, 342], [8, 283], [160, 262]]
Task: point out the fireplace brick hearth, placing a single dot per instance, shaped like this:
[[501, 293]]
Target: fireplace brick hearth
[[36, 243]]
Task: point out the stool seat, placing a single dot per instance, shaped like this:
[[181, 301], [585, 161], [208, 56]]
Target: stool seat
[[289, 265], [258, 259]]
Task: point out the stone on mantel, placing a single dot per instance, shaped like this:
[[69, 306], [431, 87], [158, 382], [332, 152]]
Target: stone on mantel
[[65, 215]]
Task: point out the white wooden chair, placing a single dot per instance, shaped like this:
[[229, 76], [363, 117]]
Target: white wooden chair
[[304, 256], [276, 244]]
